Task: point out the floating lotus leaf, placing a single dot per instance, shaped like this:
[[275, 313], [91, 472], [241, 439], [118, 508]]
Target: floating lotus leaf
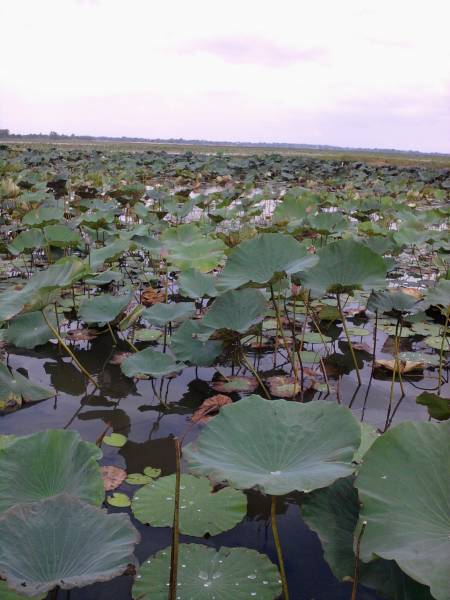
[[150, 362], [332, 513], [102, 309], [236, 310], [160, 314], [62, 541], [29, 330], [262, 258], [235, 383], [195, 284], [207, 574], [292, 446], [15, 385], [187, 345], [116, 440], [48, 463], [436, 342], [118, 500], [201, 511], [343, 267], [405, 495], [438, 407]]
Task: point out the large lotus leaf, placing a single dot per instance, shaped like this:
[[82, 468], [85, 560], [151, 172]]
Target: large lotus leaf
[[440, 294], [105, 277], [236, 310], [7, 593], [15, 385], [160, 314], [207, 574], [102, 309], [276, 446], [108, 253], [201, 511], [187, 345], [61, 235], [194, 284], [27, 240], [29, 330], [332, 513], [438, 407], [390, 300], [345, 266], [62, 541], [203, 254], [48, 463], [294, 208], [263, 257], [405, 493], [150, 362], [43, 214]]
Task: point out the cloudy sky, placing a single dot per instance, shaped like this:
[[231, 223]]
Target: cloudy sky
[[362, 73]]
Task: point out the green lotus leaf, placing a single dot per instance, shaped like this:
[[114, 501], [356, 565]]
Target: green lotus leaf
[[160, 314], [293, 446], [147, 335], [27, 240], [7, 593], [343, 267], [207, 574], [332, 513], [102, 309], [189, 249], [61, 236], [29, 330], [235, 383], [188, 346], [16, 385], [295, 207], [150, 362], [195, 284], [368, 436], [405, 499], [62, 541], [437, 342], [262, 258], [105, 277], [118, 500], [438, 407], [201, 511], [108, 253], [47, 463], [236, 310], [5, 440], [116, 440], [43, 214], [392, 300], [440, 294]]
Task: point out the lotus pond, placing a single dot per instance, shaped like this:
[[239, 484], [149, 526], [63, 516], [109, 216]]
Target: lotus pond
[[222, 377]]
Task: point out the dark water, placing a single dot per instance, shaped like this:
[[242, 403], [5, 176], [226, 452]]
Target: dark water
[[134, 410]]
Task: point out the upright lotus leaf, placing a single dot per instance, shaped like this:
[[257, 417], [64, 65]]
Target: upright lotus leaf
[[236, 310], [262, 258], [29, 330], [207, 574], [43, 214], [102, 309], [61, 236], [295, 208], [332, 513], [64, 542], [160, 314], [188, 346], [405, 493], [394, 300], [105, 277], [343, 267], [108, 253], [27, 240], [292, 446], [440, 295], [195, 284], [150, 362], [203, 254], [201, 511], [48, 463], [15, 385]]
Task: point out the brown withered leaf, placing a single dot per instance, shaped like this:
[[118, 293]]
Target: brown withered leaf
[[406, 366], [361, 346], [81, 335], [118, 357], [235, 383], [151, 296], [209, 408], [112, 477]]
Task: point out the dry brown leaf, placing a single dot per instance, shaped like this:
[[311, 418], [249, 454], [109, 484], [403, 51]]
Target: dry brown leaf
[[119, 357], [209, 408], [80, 335], [151, 296], [112, 477], [406, 366]]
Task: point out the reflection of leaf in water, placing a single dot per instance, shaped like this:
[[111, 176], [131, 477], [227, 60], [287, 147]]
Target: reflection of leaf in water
[[65, 377], [117, 418], [158, 453]]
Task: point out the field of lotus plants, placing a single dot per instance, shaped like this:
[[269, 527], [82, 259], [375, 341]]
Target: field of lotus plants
[[222, 377]]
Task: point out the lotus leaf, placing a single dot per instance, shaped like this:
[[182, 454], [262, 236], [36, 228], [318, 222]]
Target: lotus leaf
[[201, 511], [48, 463], [150, 362], [160, 314], [62, 541], [195, 284], [14, 384], [236, 310], [438, 407], [293, 446], [187, 345], [102, 309], [207, 574], [29, 330]]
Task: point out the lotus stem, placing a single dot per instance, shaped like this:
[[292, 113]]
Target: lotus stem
[[112, 334], [176, 525], [68, 350], [441, 351], [356, 572], [249, 366], [276, 537], [280, 327], [344, 325]]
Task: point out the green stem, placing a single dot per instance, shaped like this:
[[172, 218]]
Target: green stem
[[441, 351], [344, 325], [249, 366], [176, 526], [276, 537], [68, 350], [356, 573], [112, 334], [280, 327]]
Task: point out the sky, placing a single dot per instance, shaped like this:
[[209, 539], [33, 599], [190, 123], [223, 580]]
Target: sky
[[358, 73]]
